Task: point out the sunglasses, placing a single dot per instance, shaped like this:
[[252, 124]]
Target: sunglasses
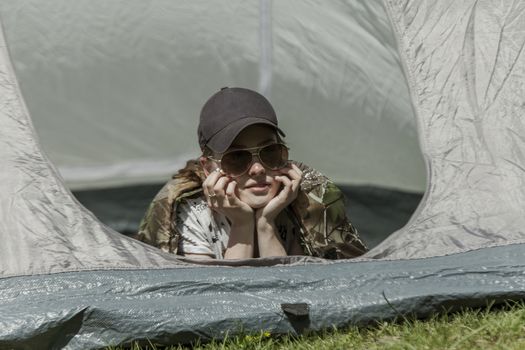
[[237, 162]]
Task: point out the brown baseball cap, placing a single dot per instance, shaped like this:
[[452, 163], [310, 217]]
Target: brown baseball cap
[[228, 112]]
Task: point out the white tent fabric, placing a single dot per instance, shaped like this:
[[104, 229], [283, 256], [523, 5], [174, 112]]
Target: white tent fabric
[[467, 86], [43, 229], [465, 64], [115, 87]]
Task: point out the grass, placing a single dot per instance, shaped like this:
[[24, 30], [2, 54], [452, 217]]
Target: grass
[[490, 328]]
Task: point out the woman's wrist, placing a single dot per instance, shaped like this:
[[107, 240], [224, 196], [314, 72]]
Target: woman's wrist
[[264, 218], [241, 241], [270, 244], [265, 225]]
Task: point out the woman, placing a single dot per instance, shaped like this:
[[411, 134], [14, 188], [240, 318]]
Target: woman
[[243, 198]]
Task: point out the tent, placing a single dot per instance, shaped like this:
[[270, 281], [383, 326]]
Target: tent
[[67, 280]]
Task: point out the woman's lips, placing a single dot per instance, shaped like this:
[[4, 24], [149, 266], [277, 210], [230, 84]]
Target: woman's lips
[[259, 188]]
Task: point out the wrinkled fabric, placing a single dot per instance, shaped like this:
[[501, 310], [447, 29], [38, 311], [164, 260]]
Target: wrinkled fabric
[[465, 63], [68, 281], [90, 310], [43, 229], [319, 213], [115, 87]]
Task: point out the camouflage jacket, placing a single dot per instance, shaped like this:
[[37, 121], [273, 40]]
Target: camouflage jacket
[[318, 211]]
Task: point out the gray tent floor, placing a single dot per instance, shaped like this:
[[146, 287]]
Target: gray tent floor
[[92, 309], [375, 211]]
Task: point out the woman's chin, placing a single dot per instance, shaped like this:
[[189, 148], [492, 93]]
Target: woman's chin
[[256, 202]]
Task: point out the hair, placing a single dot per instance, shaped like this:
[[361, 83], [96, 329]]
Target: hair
[[191, 172]]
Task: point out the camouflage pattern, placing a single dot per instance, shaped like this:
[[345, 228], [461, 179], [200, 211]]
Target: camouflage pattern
[[318, 211]]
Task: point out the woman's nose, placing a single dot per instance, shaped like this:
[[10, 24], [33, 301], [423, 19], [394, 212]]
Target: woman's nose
[[256, 168]]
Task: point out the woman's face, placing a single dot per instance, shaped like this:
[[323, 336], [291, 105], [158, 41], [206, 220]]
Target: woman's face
[[257, 186]]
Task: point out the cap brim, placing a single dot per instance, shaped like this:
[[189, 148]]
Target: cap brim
[[222, 140]]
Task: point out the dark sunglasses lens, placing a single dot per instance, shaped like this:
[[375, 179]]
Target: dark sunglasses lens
[[236, 162], [274, 156]]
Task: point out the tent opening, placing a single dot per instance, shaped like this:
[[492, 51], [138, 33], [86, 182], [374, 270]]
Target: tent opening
[[117, 110]]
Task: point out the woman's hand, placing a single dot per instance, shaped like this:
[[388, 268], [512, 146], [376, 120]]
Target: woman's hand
[[269, 242], [220, 195], [290, 179]]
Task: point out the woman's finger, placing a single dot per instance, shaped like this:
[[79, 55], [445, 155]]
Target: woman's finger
[[296, 184], [296, 175], [220, 186], [230, 193], [207, 186], [293, 172], [296, 168], [211, 180], [287, 186]]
